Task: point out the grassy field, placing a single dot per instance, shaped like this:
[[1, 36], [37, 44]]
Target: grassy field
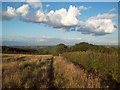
[[47, 71], [67, 75], [102, 65], [26, 71]]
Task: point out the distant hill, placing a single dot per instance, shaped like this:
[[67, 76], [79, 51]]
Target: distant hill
[[57, 49], [6, 49]]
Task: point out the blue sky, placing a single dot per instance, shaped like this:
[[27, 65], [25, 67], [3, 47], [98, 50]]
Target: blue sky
[[21, 32]]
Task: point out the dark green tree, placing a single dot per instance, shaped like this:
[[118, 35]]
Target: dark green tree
[[59, 49]]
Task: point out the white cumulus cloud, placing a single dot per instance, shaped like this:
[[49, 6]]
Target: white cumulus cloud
[[34, 3], [24, 9], [38, 17], [99, 25], [9, 14], [64, 18], [11, 11], [41, 16], [58, 18], [48, 5], [83, 8]]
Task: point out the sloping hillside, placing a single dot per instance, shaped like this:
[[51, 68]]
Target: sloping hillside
[[45, 71]]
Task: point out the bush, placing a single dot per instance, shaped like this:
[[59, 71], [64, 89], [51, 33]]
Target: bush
[[59, 49]]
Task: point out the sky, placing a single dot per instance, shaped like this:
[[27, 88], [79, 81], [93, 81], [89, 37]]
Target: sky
[[51, 23]]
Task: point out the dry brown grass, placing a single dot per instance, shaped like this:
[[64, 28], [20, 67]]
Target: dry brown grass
[[28, 72], [45, 71], [67, 75]]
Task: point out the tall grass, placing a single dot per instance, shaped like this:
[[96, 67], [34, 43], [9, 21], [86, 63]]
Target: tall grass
[[100, 64], [67, 75], [28, 72], [36, 71]]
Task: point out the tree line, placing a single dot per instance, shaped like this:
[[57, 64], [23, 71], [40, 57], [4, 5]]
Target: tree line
[[83, 46], [61, 48]]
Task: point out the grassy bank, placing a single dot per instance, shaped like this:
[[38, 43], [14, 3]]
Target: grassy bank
[[67, 75], [103, 65]]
